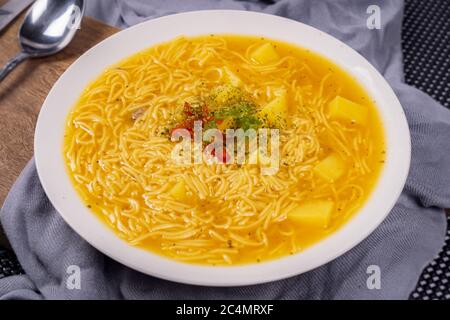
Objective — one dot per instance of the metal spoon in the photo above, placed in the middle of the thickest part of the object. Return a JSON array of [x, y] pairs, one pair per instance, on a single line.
[[49, 26]]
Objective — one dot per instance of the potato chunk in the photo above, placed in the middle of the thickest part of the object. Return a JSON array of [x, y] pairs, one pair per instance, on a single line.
[[276, 111], [265, 54], [346, 110], [331, 168], [178, 191], [313, 213]]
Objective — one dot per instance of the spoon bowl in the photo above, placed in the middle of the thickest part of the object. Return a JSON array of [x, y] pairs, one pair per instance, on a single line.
[[49, 26]]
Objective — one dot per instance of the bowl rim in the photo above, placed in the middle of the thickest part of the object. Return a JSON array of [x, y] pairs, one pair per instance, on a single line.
[[58, 187]]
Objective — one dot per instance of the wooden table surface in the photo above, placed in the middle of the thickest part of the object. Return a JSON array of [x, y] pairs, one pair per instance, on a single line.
[[24, 90]]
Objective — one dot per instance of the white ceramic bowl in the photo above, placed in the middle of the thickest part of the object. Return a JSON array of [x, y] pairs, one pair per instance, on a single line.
[[57, 185]]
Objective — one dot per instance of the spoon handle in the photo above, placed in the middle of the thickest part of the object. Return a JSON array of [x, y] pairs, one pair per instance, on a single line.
[[12, 64]]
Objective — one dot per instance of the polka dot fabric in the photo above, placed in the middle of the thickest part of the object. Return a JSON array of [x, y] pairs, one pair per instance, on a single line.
[[426, 46], [9, 265], [434, 284], [426, 49]]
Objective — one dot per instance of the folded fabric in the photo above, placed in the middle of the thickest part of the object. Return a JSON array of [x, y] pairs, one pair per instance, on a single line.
[[401, 246]]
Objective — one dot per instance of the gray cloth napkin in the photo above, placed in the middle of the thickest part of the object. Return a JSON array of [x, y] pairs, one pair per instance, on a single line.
[[401, 246]]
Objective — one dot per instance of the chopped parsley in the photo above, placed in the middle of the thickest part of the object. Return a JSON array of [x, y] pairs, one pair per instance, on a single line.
[[244, 115]]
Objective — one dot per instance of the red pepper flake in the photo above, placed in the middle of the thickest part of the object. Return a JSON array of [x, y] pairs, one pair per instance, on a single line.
[[200, 113], [187, 109]]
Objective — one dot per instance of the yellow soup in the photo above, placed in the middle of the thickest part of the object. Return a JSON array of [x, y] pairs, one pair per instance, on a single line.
[[119, 141]]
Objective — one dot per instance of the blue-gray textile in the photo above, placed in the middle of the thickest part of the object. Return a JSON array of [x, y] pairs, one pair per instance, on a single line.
[[401, 246]]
